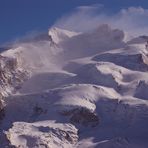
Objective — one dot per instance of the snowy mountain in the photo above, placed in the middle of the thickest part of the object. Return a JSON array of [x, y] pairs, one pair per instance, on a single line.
[[75, 89]]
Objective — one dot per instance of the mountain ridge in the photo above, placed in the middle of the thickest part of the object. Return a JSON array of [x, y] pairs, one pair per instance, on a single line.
[[85, 89]]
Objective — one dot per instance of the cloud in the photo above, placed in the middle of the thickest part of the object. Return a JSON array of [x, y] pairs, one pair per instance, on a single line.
[[132, 20]]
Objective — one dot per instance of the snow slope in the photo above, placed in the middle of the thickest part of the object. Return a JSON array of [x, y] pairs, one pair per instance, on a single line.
[[80, 90]]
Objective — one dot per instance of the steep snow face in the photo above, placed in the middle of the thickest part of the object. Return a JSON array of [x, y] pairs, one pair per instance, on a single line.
[[11, 79], [58, 35], [132, 57], [69, 89]]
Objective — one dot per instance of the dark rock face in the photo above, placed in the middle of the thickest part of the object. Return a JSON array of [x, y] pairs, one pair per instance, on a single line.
[[82, 116], [1, 107], [2, 113]]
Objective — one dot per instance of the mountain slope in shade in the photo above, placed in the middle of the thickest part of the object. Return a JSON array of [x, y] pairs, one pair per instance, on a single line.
[[75, 90]]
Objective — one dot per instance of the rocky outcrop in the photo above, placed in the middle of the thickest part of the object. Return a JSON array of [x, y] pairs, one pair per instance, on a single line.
[[47, 135], [11, 78], [2, 113], [82, 116]]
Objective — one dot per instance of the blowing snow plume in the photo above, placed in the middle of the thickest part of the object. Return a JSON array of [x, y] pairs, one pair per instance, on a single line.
[[132, 20], [86, 31]]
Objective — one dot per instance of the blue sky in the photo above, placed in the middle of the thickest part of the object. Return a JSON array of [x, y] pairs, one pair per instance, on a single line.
[[19, 17]]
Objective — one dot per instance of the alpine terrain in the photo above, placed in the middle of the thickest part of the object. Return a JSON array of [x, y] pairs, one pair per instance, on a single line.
[[68, 89]]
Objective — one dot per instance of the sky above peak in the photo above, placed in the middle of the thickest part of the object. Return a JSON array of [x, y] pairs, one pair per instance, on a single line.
[[17, 18]]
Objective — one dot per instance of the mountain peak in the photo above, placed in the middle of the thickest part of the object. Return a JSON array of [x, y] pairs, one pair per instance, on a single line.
[[58, 34], [71, 89]]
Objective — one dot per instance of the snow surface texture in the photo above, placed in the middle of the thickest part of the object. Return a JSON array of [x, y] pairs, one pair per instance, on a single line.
[[78, 90]]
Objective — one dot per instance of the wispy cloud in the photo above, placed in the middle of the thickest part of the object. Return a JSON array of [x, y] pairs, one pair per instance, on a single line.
[[133, 20]]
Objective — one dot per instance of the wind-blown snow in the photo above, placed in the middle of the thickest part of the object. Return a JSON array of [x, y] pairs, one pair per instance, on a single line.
[[80, 90], [59, 35]]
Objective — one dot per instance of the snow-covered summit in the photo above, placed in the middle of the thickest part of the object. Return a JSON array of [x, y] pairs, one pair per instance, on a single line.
[[59, 35], [75, 90]]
